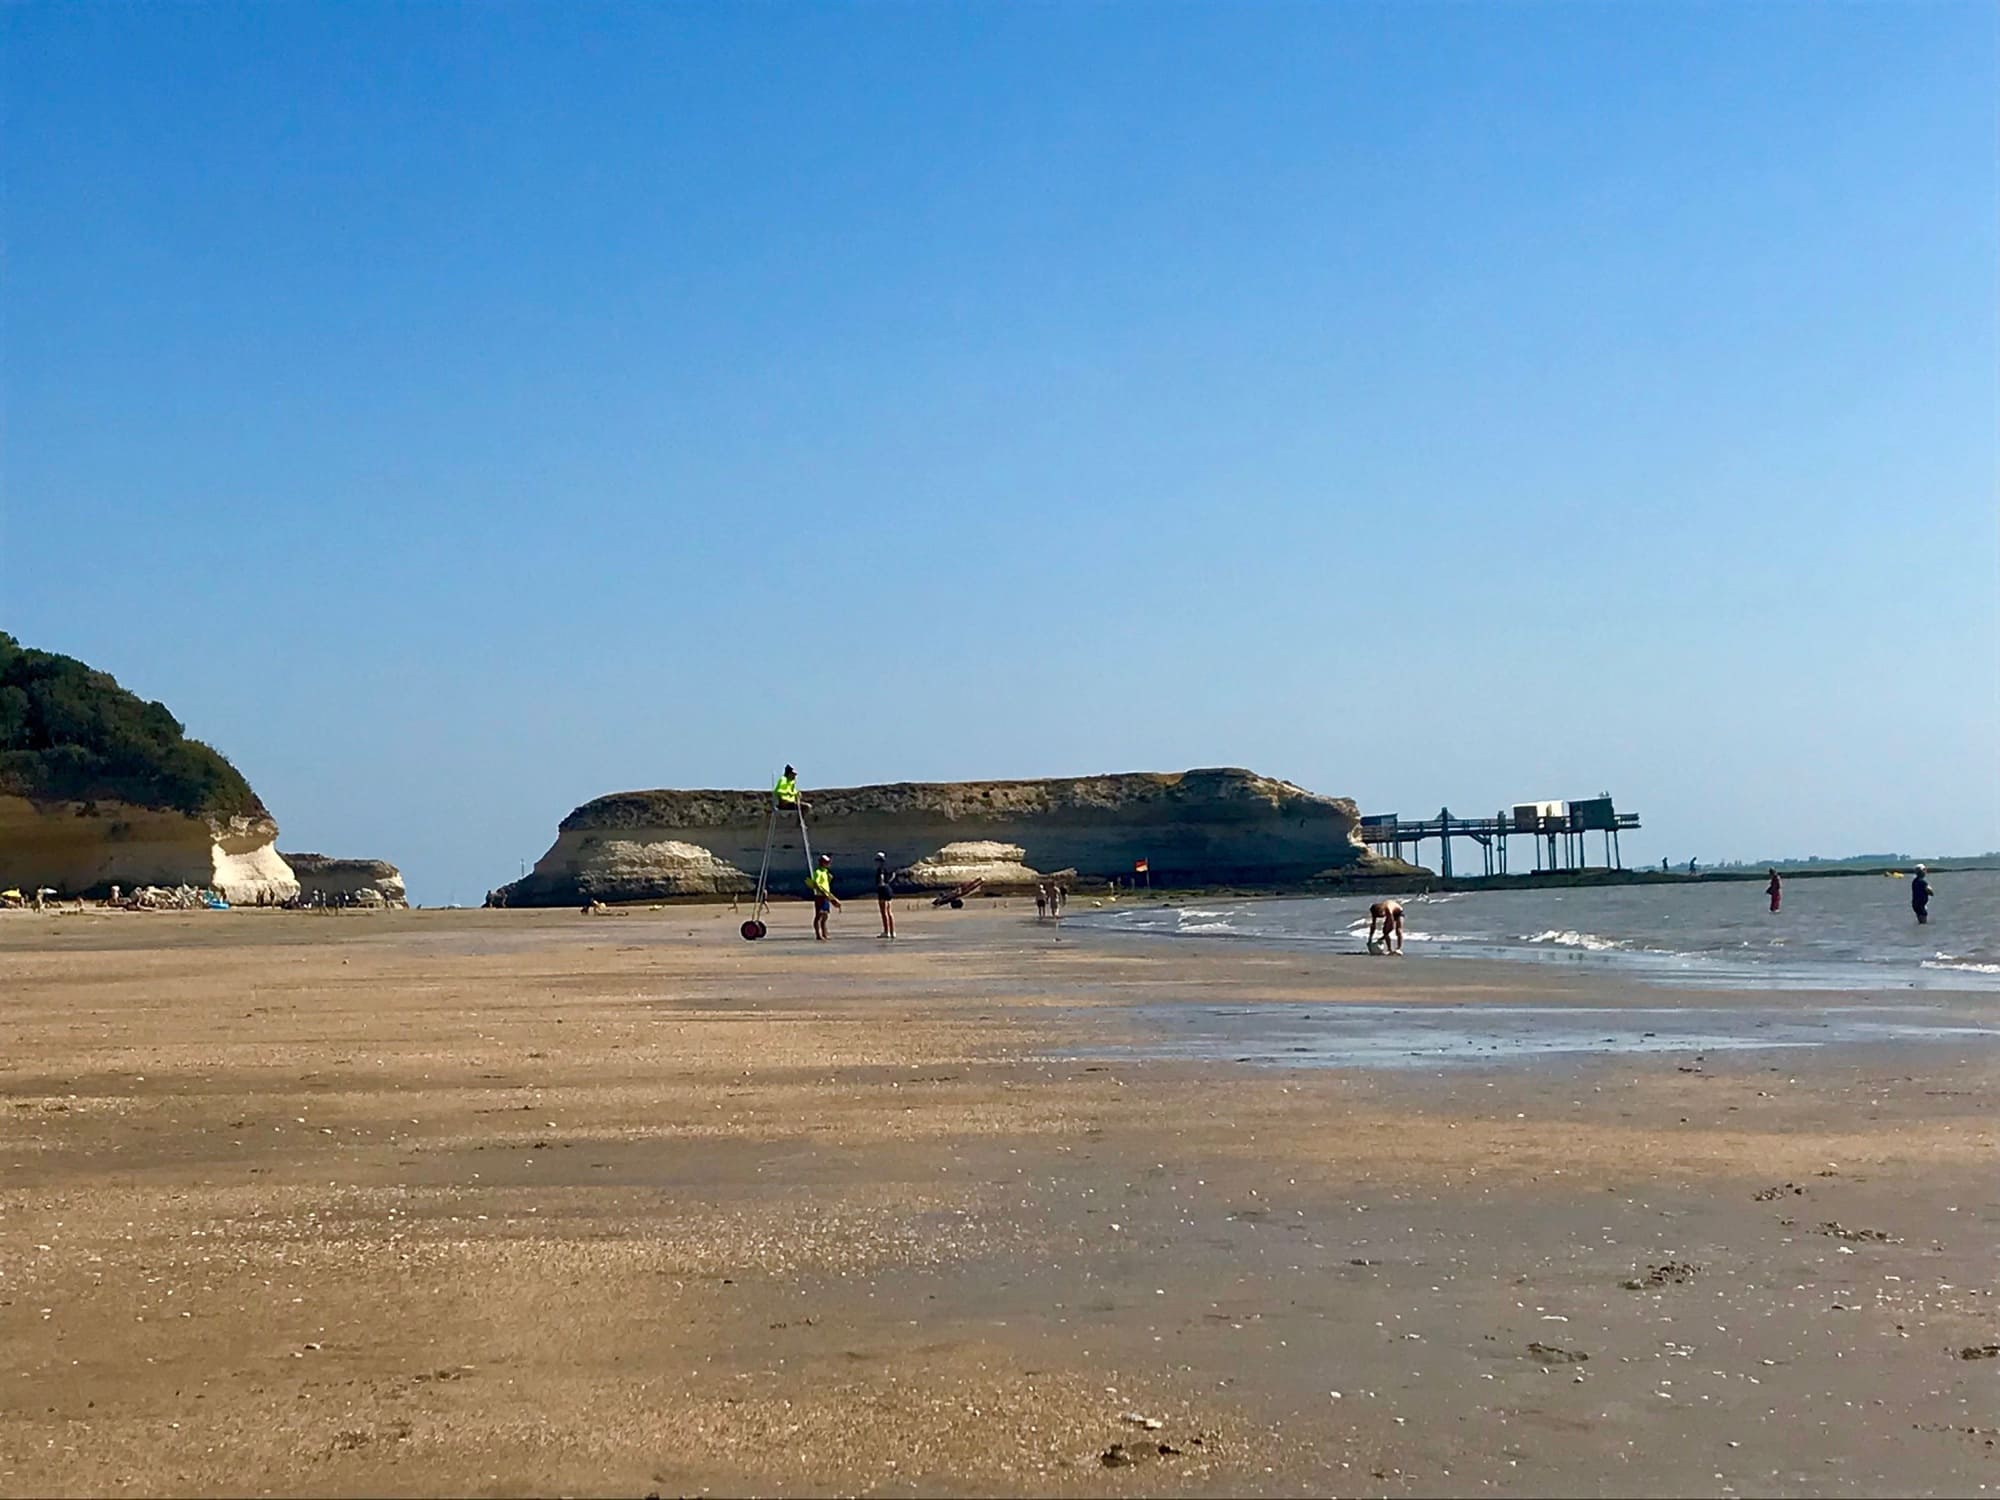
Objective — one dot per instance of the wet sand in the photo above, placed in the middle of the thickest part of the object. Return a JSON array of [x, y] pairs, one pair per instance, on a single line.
[[514, 1202]]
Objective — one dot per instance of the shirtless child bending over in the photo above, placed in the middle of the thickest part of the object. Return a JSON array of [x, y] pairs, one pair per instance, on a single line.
[[1388, 915]]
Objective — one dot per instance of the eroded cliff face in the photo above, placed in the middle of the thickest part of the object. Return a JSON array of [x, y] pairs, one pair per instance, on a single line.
[[87, 847], [363, 882], [1205, 827]]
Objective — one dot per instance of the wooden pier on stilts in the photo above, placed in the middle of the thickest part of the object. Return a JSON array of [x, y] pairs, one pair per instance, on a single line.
[[1557, 831]]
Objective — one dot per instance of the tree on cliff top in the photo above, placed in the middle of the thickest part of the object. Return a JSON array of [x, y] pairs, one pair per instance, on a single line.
[[69, 733]]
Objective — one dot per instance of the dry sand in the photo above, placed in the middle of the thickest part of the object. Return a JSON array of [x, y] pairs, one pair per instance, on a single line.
[[519, 1202]]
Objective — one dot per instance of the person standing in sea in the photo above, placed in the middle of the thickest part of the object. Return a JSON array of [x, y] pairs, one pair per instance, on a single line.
[[1920, 895], [1775, 890]]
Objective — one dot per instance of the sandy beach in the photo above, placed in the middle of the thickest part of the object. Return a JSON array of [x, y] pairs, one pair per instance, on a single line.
[[531, 1202]]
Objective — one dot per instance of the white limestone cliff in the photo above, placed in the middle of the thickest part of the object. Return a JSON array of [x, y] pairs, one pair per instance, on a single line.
[[87, 847], [1206, 827]]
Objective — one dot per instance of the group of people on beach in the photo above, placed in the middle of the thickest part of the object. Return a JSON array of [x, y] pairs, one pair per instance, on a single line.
[[1050, 897], [819, 879], [819, 883]]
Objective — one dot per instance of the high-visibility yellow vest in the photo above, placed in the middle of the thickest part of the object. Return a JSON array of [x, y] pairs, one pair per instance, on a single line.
[[820, 882], [787, 789]]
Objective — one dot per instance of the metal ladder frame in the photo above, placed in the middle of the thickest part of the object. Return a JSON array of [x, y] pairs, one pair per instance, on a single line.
[[763, 901]]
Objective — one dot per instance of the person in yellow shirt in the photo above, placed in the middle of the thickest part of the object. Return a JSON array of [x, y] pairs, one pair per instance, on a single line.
[[820, 882], [787, 789]]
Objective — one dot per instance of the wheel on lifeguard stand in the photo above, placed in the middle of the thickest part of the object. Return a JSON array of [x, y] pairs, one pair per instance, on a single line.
[[752, 930]]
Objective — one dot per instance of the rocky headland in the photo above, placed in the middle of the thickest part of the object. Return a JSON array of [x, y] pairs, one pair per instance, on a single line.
[[85, 848], [1205, 827], [99, 788], [354, 882]]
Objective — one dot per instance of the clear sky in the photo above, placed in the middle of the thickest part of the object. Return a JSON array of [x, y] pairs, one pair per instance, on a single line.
[[457, 412]]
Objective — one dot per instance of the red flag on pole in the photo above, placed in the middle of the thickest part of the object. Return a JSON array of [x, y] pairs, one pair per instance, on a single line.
[[1139, 867]]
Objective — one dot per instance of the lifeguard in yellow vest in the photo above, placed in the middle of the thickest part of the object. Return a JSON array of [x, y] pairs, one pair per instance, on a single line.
[[787, 790], [820, 883]]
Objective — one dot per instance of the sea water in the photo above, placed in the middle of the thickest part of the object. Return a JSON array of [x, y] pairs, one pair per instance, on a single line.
[[1405, 1036], [1840, 933]]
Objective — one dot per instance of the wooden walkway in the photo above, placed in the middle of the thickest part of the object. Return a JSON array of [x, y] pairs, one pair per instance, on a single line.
[[1559, 842]]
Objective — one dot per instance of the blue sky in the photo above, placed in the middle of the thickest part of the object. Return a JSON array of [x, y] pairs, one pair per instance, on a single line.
[[456, 412]]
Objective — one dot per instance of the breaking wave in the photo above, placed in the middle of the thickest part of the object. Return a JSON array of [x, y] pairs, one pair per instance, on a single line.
[[1193, 920], [1840, 936], [1964, 967], [1588, 941]]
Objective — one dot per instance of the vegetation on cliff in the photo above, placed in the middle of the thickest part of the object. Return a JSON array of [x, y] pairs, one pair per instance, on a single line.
[[1220, 793], [1205, 827], [71, 733]]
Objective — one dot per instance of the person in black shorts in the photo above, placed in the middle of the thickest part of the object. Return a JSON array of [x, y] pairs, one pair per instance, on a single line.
[[885, 890], [820, 883], [1920, 894]]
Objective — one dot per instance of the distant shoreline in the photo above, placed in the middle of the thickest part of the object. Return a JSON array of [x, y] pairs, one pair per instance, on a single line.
[[1559, 879]]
